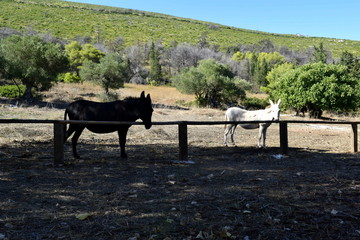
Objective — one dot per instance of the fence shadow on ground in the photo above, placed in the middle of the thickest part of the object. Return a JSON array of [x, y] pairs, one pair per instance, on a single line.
[[237, 191]]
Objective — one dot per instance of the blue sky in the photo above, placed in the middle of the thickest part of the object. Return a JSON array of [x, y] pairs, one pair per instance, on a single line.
[[317, 18]]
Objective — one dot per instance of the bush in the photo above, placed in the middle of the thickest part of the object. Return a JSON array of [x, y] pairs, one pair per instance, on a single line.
[[111, 96], [12, 91], [317, 87], [212, 83], [71, 78], [110, 73], [255, 103], [183, 103]]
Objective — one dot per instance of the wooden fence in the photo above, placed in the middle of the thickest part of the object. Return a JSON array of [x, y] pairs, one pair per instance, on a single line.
[[59, 130]]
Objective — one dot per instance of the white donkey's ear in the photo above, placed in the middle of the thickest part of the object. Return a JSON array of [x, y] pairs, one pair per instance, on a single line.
[[279, 101], [271, 102]]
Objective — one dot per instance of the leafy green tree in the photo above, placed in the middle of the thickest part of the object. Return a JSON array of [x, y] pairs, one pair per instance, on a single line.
[[346, 58], [273, 58], [266, 62], [259, 64], [211, 82], [155, 76], [351, 62], [110, 72], [73, 50], [252, 62], [261, 70], [71, 78], [276, 73], [78, 54], [238, 56], [320, 54], [355, 69], [89, 52], [317, 87], [31, 60]]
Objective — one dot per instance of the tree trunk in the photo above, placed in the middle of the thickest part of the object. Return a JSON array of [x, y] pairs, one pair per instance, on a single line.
[[314, 112], [28, 96], [106, 91]]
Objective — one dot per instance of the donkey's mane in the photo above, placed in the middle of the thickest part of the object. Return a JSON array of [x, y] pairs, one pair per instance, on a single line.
[[130, 100]]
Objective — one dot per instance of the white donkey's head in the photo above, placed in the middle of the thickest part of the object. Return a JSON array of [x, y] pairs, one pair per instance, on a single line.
[[274, 111]]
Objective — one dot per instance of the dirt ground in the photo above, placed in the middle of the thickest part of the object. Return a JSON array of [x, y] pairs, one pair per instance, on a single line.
[[235, 192]]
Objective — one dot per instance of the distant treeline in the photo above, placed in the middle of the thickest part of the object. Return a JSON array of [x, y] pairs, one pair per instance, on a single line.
[[215, 77]]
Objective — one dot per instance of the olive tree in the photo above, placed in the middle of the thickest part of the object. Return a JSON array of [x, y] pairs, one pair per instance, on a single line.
[[212, 83], [33, 61], [110, 72]]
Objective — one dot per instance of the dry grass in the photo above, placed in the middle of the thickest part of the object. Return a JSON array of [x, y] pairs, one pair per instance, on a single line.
[[70, 92], [329, 138]]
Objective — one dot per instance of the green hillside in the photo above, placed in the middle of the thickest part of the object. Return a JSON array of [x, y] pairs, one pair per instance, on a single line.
[[68, 20]]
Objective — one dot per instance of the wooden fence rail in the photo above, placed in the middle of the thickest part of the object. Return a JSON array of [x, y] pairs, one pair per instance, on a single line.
[[60, 125]]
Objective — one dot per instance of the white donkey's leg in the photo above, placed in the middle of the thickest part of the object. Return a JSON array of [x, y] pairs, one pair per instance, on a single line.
[[262, 134], [229, 129], [232, 131], [226, 132]]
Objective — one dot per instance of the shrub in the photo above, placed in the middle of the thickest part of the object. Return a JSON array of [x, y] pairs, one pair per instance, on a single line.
[[12, 91], [111, 96], [255, 103], [110, 73], [212, 83], [71, 78]]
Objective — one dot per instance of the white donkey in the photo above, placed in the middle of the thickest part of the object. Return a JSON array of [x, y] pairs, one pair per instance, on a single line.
[[238, 114]]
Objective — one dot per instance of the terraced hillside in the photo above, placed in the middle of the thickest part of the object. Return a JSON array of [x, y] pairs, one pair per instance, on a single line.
[[68, 20]]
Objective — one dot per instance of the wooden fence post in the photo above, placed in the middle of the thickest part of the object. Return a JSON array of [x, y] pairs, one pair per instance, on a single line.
[[183, 141], [284, 145], [355, 136], [59, 130]]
